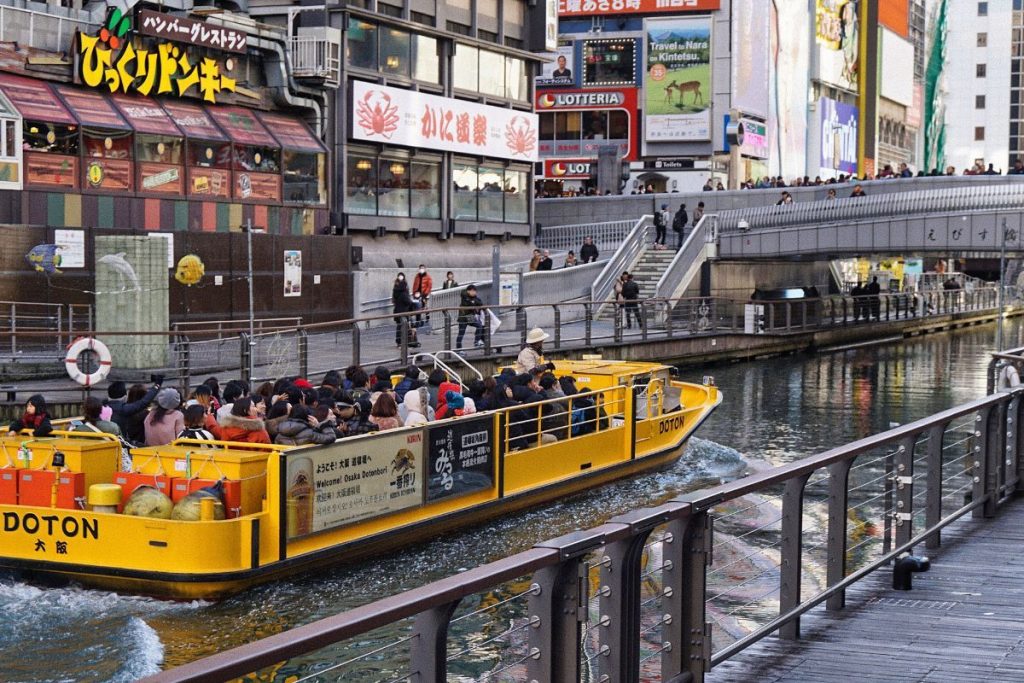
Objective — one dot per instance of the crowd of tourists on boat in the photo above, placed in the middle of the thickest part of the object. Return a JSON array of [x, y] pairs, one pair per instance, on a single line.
[[294, 412]]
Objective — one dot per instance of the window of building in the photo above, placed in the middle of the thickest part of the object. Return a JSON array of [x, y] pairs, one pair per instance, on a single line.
[[456, 27], [107, 144], [8, 139], [516, 197], [979, 101], [517, 80], [983, 39], [361, 187], [304, 177], [500, 194], [609, 62], [979, 133], [54, 138], [492, 65], [421, 18], [464, 191], [208, 154], [982, 9], [425, 190], [425, 61], [362, 44], [393, 186], [159, 149], [980, 70], [257, 159], [395, 51], [466, 67], [489, 36], [567, 125]]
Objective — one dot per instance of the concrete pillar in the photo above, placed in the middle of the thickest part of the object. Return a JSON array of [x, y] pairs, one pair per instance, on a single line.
[[131, 296]]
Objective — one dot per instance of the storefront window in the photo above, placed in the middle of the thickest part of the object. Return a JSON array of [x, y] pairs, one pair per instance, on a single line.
[[159, 148], [361, 190], [467, 67], [305, 177], [516, 198], [425, 62], [609, 62], [595, 125], [107, 144], [492, 65], [362, 44], [517, 83], [257, 159], [464, 191], [547, 126], [426, 190], [209, 154], [567, 125], [618, 125], [394, 51], [50, 137], [393, 187], [491, 183]]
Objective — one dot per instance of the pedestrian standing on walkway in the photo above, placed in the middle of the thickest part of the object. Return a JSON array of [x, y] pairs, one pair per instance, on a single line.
[[874, 300], [679, 225], [469, 316], [422, 286], [698, 214], [546, 263], [535, 261], [403, 304], [858, 191], [588, 252], [661, 220], [631, 296], [570, 260], [449, 281]]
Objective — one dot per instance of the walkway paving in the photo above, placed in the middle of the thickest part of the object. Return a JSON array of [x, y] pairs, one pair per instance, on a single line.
[[964, 621]]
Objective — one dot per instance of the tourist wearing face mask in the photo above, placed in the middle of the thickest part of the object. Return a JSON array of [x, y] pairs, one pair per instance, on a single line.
[[422, 285]]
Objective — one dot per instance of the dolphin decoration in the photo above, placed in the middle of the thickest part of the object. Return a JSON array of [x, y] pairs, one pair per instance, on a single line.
[[126, 274]]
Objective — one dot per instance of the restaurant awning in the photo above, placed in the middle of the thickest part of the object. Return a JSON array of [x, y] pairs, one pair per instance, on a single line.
[[92, 109], [194, 121], [291, 133], [35, 100], [242, 126], [146, 115]]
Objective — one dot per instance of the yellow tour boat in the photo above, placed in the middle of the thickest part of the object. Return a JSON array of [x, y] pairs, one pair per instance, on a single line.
[[293, 509]]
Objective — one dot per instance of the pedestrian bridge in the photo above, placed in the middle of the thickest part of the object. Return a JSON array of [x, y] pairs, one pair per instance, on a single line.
[[783, 575]]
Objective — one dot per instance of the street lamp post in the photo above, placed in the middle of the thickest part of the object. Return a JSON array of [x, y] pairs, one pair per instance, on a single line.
[[999, 292]]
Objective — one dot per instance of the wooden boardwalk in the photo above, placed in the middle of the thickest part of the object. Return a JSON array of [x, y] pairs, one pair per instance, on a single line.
[[964, 620]]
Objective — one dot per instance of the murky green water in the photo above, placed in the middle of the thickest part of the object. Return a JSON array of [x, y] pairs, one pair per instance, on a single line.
[[775, 410]]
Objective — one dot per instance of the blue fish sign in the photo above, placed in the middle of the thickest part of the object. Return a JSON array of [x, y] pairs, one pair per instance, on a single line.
[[45, 258]]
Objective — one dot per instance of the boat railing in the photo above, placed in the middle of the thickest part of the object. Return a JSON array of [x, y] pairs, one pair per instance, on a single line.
[[606, 407], [678, 588]]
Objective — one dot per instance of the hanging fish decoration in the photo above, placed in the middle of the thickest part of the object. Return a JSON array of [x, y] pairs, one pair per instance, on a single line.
[[190, 270], [45, 258]]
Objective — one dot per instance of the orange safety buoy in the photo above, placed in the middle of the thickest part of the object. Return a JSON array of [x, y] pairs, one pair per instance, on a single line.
[[75, 350]]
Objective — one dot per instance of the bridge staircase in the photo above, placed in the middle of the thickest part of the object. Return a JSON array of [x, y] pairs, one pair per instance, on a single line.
[[647, 270]]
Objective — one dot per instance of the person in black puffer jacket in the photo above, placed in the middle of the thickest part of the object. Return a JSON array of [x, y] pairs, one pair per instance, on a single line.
[[301, 429]]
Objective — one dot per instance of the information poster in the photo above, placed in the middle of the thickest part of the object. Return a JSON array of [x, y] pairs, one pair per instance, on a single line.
[[460, 457], [72, 247], [353, 480], [677, 90], [292, 273]]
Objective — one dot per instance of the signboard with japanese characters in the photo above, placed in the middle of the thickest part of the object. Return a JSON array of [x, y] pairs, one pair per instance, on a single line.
[[114, 60], [353, 480], [415, 119], [460, 457], [190, 31], [584, 8], [677, 89]]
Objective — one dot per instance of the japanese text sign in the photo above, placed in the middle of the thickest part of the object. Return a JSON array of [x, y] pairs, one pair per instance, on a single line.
[[460, 457], [190, 31], [583, 8], [404, 117]]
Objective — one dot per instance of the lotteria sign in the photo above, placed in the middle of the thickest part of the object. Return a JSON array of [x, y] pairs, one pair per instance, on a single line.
[[112, 60], [618, 98], [567, 169]]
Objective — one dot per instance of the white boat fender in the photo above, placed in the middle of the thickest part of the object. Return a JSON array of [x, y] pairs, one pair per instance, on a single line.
[[75, 351], [1008, 378]]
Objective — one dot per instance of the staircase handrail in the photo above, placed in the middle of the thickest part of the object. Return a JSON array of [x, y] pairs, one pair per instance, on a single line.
[[622, 259], [570, 237], [693, 248]]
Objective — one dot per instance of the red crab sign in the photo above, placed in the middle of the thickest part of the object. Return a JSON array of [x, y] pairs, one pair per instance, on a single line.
[[403, 117]]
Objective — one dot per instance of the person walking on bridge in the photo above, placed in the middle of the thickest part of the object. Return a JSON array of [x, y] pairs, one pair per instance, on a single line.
[[588, 252], [873, 291], [631, 294], [661, 219], [679, 225]]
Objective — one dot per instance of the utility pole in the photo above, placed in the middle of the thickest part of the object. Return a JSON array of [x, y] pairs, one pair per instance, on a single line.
[[999, 292], [252, 319]]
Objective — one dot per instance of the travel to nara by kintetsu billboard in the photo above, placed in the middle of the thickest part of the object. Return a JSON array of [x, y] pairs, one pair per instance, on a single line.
[[677, 82]]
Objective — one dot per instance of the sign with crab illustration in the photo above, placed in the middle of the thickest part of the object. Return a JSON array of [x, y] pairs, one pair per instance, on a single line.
[[403, 117]]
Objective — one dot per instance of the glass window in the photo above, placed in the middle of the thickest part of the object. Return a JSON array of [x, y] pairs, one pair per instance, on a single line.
[[547, 126], [257, 159], [982, 39], [107, 144], [980, 70], [516, 199], [426, 190], [979, 133], [209, 154], [567, 125], [609, 61], [982, 9], [491, 183], [516, 82], [9, 151], [305, 177], [425, 62], [595, 125], [492, 65], [467, 67], [393, 185], [979, 101], [361, 190], [464, 184], [50, 137], [394, 51], [362, 44], [618, 125], [159, 148]]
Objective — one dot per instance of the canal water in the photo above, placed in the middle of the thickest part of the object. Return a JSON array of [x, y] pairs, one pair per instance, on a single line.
[[775, 410]]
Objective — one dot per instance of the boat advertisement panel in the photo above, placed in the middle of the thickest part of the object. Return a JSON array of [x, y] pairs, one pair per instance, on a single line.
[[677, 89], [353, 480], [460, 457]]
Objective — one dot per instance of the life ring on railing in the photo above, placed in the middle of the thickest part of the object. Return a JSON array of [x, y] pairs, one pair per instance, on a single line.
[[75, 350], [1008, 378]]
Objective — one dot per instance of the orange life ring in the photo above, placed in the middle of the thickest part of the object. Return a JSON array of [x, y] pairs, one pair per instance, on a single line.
[[75, 350]]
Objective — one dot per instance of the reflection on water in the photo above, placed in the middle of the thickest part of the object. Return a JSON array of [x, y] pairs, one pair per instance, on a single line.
[[774, 411]]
